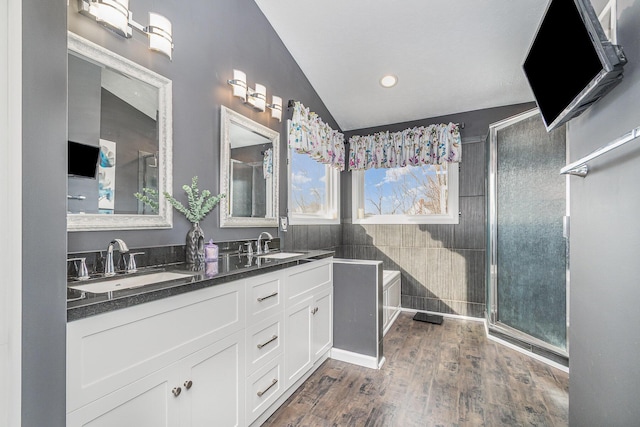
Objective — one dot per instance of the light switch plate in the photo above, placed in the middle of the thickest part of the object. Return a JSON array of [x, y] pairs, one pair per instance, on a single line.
[[284, 222]]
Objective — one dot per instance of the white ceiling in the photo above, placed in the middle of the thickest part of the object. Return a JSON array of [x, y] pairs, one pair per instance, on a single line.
[[450, 56]]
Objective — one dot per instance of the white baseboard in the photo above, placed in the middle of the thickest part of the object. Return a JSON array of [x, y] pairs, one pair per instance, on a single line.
[[356, 358]]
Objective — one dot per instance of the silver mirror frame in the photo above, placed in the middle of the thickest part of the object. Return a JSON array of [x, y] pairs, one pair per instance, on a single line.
[[227, 118], [164, 218]]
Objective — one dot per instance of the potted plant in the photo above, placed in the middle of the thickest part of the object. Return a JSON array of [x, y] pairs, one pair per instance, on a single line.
[[199, 204]]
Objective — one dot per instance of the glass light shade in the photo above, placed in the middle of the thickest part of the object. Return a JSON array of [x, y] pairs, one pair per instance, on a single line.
[[239, 84], [112, 13], [160, 34], [258, 97], [276, 107]]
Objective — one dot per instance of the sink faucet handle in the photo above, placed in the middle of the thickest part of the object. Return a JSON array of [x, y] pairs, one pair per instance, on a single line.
[[249, 246], [266, 248], [131, 265], [83, 273]]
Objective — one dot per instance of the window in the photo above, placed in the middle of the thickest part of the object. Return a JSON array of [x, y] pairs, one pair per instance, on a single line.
[[313, 191], [426, 194]]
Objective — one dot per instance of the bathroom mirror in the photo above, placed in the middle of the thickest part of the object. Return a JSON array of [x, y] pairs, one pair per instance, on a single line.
[[125, 110], [248, 172]]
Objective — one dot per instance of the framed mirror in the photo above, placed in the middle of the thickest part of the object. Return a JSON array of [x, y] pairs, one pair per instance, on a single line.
[[249, 171], [120, 140]]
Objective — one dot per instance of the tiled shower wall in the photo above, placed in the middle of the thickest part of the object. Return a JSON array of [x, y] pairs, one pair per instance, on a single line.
[[442, 266], [301, 237]]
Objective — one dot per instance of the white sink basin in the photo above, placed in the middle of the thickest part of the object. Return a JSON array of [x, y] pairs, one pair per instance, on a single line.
[[128, 282], [281, 255]]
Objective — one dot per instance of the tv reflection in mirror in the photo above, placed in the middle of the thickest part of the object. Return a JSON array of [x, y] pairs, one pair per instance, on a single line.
[[82, 160], [118, 114]]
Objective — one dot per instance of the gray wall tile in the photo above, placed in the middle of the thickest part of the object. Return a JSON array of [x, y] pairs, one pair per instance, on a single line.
[[470, 232], [438, 272], [438, 235], [468, 275], [472, 170], [412, 236], [390, 235], [413, 273]]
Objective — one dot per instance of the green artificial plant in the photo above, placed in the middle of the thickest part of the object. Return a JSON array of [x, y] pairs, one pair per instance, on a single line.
[[199, 204]]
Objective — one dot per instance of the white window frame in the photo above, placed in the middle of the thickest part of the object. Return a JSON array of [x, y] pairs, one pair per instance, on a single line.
[[332, 191], [453, 205]]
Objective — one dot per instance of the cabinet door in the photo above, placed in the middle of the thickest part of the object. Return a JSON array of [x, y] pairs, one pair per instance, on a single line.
[[213, 384], [149, 402], [322, 322], [298, 335]]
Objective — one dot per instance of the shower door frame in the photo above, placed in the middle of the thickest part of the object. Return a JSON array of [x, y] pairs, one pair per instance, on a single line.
[[493, 322]]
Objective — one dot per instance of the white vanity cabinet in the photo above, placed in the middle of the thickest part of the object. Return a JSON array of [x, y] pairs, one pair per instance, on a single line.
[[177, 361], [202, 389], [309, 317], [225, 355], [265, 342]]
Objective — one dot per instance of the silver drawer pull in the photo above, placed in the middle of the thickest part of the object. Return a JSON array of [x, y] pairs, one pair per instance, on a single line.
[[273, 382], [272, 339], [268, 296]]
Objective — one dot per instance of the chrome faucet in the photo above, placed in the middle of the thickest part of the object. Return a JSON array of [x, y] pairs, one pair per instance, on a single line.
[[260, 250], [109, 269]]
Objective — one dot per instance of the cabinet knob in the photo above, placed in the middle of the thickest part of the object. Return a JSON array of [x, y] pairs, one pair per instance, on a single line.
[[314, 310], [176, 391], [188, 384]]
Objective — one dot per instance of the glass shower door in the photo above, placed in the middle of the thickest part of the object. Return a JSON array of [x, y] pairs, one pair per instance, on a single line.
[[527, 247]]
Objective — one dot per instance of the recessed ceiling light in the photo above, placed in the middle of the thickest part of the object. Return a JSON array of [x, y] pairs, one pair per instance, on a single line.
[[389, 80]]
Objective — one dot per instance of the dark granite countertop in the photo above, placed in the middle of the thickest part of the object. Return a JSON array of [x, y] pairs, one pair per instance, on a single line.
[[227, 269]]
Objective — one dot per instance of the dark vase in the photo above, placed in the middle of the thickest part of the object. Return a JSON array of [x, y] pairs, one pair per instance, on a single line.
[[195, 245]]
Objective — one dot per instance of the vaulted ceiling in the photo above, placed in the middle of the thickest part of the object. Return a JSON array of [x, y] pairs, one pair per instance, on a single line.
[[450, 56]]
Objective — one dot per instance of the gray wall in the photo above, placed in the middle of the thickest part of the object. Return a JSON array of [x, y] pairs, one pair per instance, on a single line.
[[44, 181], [604, 341], [442, 266], [211, 39]]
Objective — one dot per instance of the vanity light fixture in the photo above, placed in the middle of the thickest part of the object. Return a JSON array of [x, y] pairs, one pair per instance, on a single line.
[[257, 97], [239, 84], [276, 107], [116, 16]]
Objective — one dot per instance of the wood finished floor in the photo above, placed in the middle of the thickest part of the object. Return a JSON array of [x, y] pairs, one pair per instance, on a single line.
[[434, 375]]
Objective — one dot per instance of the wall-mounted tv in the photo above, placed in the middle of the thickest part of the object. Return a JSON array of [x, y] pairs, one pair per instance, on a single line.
[[571, 63], [82, 160]]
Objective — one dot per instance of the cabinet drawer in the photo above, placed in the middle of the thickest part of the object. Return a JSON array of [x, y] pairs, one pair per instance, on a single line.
[[303, 278], [264, 387], [264, 296], [108, 351], [264, 341]]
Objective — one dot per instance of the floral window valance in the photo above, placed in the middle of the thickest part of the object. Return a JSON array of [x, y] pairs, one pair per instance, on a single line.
[[433, 144], [310, 135]]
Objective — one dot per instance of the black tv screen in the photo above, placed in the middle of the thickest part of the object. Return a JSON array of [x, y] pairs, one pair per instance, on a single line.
[[83, 159], [571, 63]]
